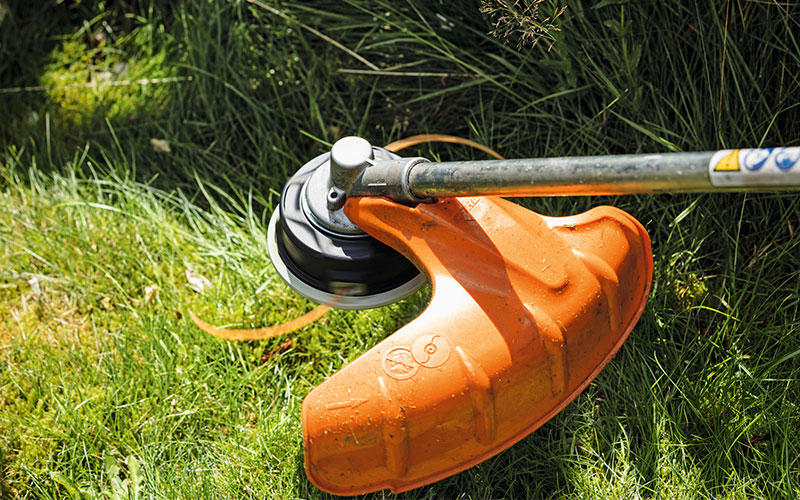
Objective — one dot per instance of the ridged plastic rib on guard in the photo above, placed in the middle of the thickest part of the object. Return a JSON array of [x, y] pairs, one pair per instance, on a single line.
[[526, 311]]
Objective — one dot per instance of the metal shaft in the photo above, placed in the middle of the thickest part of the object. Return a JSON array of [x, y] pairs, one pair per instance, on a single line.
[[765, 169], [592, 175]]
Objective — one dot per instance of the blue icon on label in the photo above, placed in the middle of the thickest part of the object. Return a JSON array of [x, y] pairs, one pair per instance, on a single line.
[[756, 158], [786, 158]]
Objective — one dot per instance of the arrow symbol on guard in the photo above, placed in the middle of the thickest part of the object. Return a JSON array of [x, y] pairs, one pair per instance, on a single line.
[[350, 403]]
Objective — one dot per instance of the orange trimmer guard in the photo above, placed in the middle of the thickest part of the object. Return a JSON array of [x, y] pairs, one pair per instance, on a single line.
[[526, 311]]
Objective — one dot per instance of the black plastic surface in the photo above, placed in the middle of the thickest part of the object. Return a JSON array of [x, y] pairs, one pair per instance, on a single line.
[[360, 266]]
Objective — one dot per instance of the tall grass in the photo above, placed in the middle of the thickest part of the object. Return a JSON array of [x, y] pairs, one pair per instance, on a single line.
[[108, 190]]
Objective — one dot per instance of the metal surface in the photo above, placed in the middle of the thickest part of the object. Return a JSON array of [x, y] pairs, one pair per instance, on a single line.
[[388, 178], [766, 169], [330, 177], [321, 210], [349, 156], [591, 175]]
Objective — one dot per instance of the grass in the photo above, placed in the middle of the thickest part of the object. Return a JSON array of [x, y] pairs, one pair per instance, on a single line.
[[107, 390]]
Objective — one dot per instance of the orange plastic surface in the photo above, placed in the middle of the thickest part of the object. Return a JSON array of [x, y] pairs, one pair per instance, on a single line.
[[526, 311]]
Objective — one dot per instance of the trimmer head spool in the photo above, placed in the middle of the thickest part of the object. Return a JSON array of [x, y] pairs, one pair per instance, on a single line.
[[320, 253]]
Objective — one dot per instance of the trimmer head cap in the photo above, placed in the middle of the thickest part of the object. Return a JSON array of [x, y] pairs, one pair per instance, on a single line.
[[325, 257]]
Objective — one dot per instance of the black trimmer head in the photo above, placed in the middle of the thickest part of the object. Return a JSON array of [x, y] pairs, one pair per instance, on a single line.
[[320, 253]]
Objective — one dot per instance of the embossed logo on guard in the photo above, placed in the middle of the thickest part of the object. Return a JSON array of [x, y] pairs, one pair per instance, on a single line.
[[399, 363], [431, 351]]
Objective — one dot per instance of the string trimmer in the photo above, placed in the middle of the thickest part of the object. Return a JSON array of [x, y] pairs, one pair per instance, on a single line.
[[526, 309]]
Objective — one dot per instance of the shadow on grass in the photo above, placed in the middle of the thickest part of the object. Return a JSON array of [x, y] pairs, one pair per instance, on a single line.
[[136, 89], [29, 32], [43, 44]]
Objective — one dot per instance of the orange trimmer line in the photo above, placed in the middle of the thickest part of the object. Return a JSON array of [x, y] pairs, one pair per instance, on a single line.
[[452, 139], [268, 332]]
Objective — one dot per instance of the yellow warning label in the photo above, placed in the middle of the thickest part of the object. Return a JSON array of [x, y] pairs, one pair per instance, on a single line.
[[728, 163]]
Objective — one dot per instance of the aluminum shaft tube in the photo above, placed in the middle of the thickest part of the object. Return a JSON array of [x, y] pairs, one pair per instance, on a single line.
[[765, 169], [589, 175]]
